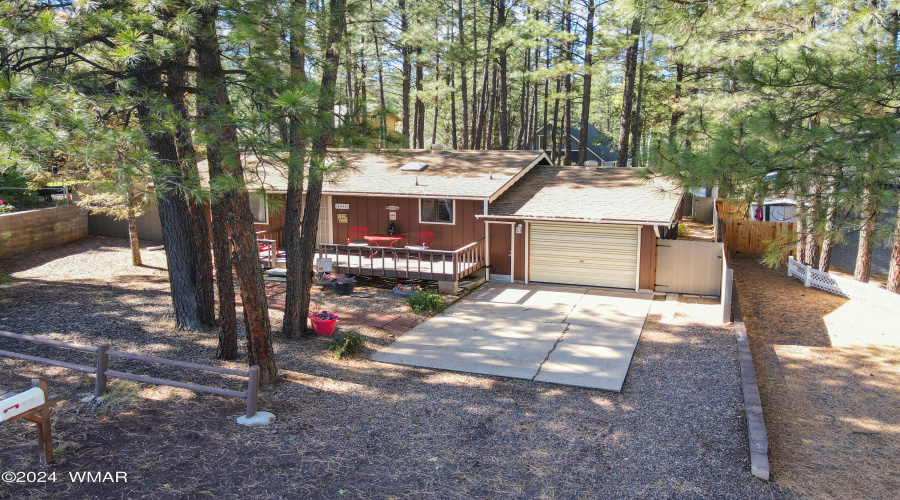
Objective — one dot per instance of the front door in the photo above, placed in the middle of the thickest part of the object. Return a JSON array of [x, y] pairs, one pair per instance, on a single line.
[[500, 236]]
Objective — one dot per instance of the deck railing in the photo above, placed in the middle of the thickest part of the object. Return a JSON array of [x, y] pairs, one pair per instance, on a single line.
[[437, 265]]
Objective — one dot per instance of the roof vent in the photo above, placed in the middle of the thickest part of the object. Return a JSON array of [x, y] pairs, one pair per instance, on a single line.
[[590, 165], [415, 166], [436, 148]]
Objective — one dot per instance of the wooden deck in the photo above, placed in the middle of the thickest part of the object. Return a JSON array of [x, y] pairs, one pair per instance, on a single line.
[[437, 265]]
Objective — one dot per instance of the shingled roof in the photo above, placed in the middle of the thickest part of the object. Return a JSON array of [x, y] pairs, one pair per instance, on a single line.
[[450, 174], [572, 193]]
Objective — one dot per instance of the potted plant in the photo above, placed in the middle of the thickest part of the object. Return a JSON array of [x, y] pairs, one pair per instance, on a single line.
[[324, 279], [344, 285], [406, 290], [323, 322]]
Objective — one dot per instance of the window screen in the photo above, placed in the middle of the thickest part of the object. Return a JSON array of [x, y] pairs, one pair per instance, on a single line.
[[437, 210], [258, 207]]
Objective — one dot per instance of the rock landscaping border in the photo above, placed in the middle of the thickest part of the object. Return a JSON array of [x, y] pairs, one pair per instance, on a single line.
[[756, 424]]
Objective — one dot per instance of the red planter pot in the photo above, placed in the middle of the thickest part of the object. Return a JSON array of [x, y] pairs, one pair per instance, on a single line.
[[323, 328]]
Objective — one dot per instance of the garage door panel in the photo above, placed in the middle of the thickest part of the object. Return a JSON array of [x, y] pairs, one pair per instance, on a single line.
[[583, 254]]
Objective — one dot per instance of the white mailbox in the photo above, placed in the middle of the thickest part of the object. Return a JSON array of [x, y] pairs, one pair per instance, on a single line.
[[20, 403]]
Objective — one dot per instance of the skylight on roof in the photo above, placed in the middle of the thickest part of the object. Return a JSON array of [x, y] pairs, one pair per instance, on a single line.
[[416, 166]]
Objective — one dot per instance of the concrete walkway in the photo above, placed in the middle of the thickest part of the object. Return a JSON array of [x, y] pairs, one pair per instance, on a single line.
[[563, 335]]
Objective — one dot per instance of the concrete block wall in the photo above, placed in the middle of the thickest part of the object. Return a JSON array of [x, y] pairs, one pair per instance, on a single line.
[[34, 230]]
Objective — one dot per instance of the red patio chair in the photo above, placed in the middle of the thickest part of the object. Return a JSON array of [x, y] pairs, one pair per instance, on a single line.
[[423, 241], [357, 237]]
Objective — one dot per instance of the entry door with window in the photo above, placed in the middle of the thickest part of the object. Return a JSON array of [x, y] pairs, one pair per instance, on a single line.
[[500, 251]]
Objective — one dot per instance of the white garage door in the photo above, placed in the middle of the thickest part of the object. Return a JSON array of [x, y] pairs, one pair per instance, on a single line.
[[584, 254]]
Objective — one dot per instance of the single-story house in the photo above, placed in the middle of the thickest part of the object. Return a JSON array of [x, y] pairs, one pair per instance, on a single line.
[[600, 147], [512, 211]]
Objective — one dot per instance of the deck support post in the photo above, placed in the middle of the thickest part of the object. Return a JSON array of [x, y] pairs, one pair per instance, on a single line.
[[448, 287]]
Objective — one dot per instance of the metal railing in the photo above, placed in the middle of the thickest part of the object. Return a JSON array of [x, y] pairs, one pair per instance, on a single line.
[[103, 352], [438, 265]]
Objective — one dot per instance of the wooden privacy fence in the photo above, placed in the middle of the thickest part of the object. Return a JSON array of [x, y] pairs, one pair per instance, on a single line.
[[750, 237], [684, 266], [103, 353]]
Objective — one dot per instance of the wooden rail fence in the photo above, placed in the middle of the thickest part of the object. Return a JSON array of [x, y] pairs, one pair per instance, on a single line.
[[102, 372]]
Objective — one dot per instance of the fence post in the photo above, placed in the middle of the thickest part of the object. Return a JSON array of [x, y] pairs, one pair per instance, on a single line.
[[252, 390], [806, 280], [726, 295], [102, 362]]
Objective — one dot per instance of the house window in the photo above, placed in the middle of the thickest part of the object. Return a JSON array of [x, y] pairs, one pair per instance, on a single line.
[[542, 140], [258, 208], [436, 211]]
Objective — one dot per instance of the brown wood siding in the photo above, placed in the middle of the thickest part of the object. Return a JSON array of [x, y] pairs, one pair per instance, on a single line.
[[371, 212], [647, 269]]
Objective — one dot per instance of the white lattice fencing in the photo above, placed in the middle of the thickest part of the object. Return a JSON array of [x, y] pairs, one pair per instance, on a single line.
[[845, 287]]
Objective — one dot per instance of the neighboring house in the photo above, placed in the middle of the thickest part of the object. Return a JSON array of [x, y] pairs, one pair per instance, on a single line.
[[776, 210], [600, 147], [525, 219], [392, 122]]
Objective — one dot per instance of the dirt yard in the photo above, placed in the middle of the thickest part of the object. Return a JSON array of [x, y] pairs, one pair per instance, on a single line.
[[353, 428], [829, 376]]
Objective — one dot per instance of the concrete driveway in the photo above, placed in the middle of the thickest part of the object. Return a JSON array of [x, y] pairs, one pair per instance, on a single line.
[[563, 335]]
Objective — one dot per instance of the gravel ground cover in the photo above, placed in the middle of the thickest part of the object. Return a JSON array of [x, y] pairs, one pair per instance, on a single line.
[[353, 428], [829, 372]]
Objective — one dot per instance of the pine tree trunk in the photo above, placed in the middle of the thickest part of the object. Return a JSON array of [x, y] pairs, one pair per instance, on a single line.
[[812, 243], [801, 231], [636, 123], [868, 225], [554, 146], [566, 132], [464, 84], [132, 229], [503, 112], [222, 149], [382, 113], [453, 132], [483, 101], [293, 323], [489, 135], [676, 105], [199, 236], [523, 102], [828, 235], [420, 104], [628, 95], [174, 212], [335, 31], [407, 76], [473, 143], [228, 344], [586, 91], [893, 282]]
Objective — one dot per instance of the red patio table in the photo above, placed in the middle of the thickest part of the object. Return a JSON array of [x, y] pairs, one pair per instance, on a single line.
[[379, 240], [384, 241]]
